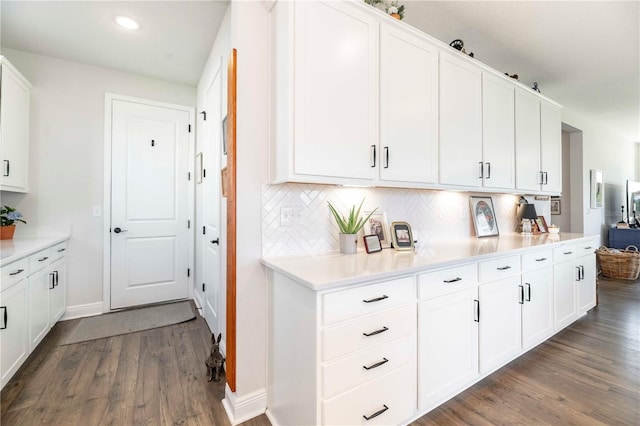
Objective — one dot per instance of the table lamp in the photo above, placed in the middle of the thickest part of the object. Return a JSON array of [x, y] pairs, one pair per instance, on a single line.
[[528, 213]]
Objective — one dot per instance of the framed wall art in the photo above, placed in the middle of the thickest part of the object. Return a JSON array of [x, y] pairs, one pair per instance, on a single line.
[[483, 216], [597, 189], [377, 224], [555, 206]]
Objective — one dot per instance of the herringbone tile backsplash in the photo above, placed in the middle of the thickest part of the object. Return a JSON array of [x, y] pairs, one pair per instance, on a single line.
[[433, 215]]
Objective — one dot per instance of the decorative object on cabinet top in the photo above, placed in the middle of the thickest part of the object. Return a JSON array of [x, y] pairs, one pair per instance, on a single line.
[[392, 8], [535, 87], [458, 44]]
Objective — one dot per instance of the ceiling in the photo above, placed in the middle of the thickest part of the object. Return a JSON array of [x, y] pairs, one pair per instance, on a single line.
[[583, 54]]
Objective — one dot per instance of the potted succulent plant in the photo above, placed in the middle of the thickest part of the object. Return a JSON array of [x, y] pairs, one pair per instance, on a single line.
[[394, 9], [9, 215], [349, 227]]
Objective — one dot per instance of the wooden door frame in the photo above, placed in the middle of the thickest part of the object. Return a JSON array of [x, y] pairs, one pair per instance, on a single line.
[[106, 204]]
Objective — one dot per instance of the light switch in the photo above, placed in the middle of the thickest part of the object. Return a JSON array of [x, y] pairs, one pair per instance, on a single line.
[[97, 211]]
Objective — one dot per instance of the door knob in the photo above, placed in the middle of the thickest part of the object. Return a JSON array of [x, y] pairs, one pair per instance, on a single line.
[[118, 230], [216, 241]]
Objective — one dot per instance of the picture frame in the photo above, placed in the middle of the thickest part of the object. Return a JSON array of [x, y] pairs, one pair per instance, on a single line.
[[372, 243], [224, 135], [555, 207], [377, 224], [401, 236], [541, 224], [483, 216], [597, 189]]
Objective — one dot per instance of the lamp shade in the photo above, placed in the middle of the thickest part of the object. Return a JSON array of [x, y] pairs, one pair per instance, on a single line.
[[529, 211]]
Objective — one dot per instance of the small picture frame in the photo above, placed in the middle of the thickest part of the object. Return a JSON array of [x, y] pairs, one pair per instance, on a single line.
[[555, 206], [484, 216], [372, 243], [597, 189], [377, 224], [541, 224], [401, 236], [224, 135]]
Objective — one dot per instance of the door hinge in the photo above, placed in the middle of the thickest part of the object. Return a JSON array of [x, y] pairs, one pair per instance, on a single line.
[[204, 173], [189, 176], [189, 128], [188, 272], [203, 287], [204, 230], [188, 224], [204, 114]]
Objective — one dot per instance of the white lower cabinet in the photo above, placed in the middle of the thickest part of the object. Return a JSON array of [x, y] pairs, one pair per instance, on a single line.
[[39, 285], [14, 333], [565, 274], [586, 279], [537, 309], [57, 290]]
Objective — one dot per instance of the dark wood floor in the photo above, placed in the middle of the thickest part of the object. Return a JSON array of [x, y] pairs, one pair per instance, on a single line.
[[588, 374]]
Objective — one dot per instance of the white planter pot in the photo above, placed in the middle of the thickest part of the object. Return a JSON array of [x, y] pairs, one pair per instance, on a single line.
[[348, 243]]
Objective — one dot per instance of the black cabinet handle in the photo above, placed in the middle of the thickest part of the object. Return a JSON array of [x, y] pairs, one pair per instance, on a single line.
[[377, 364], [61, 250], [376, 414], [568, 252], [528, 299], [19, 271], [216, 241], [542, 259], [43, 259], [476, 313], [481, 170], [504, 268], [521, 298], [453, 280], [488, 170], [5, 317], [546, 178], [373, 155], [57, 279], [541, 177], [588, 248], [373, 333], [52, 279], [386, 157], [377, 299], [7, 164]]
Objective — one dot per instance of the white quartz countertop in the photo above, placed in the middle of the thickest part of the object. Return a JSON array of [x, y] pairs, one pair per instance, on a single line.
[[16, 249], [335, 270]]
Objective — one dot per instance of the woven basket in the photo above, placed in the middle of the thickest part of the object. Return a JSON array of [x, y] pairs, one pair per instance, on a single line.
[[621, 265]]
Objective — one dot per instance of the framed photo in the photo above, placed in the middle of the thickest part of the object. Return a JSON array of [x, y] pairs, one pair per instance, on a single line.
[[377, 224], [555, 206], [224, 135], [372, 243], [484, 216], [597, 189], [541, 224], [401, 236]]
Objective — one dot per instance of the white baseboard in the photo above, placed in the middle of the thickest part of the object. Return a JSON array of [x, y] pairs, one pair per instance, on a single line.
[[81, 311], [245, 407]]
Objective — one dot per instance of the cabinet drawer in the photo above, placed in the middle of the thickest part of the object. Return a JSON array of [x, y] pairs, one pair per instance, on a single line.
[[58, 251], [39, 260], [393, 396], [367, 365], [368, 331], [448, 280], [495, 269], [564, 252], [537, 259], [355, 302], [587, 247], [13, 273]]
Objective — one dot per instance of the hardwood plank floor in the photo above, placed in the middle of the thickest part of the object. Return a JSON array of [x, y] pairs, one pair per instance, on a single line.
[[588, 374]]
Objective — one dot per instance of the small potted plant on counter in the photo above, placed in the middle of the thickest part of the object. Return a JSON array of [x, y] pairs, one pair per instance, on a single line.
[[9, 215], [349, 227]]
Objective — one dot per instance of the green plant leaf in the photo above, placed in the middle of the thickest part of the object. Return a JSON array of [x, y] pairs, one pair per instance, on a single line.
[[354, 222]]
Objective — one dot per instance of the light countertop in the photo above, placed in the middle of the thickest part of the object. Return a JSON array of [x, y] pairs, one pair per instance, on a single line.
[[334, 270], [16, 249]]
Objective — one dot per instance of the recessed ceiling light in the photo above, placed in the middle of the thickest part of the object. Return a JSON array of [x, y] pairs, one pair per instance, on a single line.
[[127, 23]]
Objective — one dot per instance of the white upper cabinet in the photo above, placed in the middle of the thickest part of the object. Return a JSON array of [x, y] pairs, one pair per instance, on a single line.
[[14, 128], [528, 173], [498, 145], [460, 122], [551, 146], [328, 132], [408, 107]]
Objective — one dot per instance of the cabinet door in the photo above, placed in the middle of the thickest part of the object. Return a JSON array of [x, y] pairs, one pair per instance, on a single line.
[[528, 172], [335, 91], [551, 146], [498, 144], [408, 107], [39, 289], [460, 122], [57, 297], [447, 346], [587, 283], [537, 310], [14, 124], [14, 342], [500, 322], [564, 294]]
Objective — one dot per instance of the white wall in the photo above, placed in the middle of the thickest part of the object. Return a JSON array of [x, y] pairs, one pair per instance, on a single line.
[[66, 154], [563, 220]]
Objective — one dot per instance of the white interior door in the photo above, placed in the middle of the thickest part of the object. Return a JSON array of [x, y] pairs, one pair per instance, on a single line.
[[149, 204], [211, 240]]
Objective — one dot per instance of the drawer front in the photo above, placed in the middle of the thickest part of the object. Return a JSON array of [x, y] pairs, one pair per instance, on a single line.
[[369, 331], [39, 260], [58, 251], [354, 302], [447, 280], [340, 376], [564, 252], [537, 259], [13, 273], [588, 247], [389, 400], [496, 269]]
